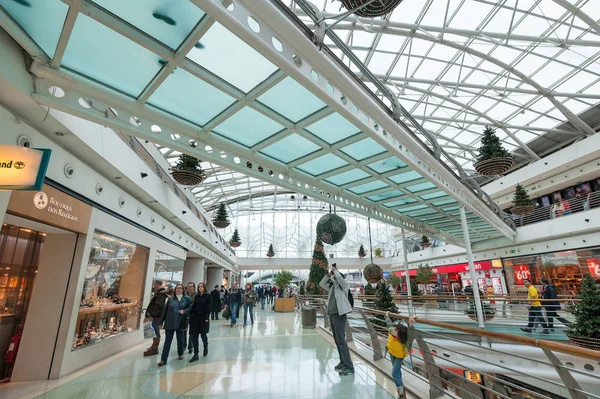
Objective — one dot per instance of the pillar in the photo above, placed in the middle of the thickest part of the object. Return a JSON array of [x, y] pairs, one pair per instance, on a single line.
[[408, 288], [193, 271], [214, 276], [467, 239]]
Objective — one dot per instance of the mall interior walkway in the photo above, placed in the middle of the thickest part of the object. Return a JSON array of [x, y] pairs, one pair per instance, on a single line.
[[274, 358]]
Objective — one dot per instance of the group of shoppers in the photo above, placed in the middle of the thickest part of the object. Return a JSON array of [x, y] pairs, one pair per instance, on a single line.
[[551, 304]]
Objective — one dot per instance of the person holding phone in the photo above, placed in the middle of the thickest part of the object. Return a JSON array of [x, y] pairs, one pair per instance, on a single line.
[[338, 306]]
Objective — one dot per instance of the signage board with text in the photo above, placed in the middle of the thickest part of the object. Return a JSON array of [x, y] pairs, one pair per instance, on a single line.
[[22, 168]]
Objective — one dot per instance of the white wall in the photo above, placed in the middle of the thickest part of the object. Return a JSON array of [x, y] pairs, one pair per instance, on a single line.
[[304, 263]]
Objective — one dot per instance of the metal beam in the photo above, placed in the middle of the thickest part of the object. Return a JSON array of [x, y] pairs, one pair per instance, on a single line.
[[65, 34]]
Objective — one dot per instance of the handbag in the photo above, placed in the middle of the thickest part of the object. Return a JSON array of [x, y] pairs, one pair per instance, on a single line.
[[148, 330], [185, 323], [226, 313]]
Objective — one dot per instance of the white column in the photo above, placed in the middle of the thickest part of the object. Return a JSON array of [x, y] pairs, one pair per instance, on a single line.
[[193, 271], [408, 288], [214, 276], [467, 240]]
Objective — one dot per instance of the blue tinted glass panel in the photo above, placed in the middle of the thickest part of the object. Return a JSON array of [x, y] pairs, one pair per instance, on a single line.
[[386, 165], [322, 164], [168, 21], [382, 196], [433, 195], [412, 208], [248, 127], [290, 148], [104, 55], [291, 100], [404, 177], [363, 149], [400, 202], [444, 202], [347, 177], [227, 56], [431, 218], [451, 208], [333, 128], [43, 20], [420, 187], [363, 188], [184, 95], [423, 213]]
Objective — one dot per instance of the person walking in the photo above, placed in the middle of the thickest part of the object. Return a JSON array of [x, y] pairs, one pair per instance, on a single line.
[[187, 336], [535, 310], [269, 293], [261, 297], [154, 311], [234, 300], [250, 299], [215, 300], [199, 324], [552, 305], [174, 313], [399, 341], [338, 306]]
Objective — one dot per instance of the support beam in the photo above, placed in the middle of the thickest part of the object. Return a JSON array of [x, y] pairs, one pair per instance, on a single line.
[[411, 310], [470, 259]]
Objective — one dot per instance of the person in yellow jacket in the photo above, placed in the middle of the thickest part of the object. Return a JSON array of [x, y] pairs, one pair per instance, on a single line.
[[399, 341]]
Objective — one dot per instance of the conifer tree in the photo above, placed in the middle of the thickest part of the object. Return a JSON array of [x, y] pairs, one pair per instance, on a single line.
[[235, 237], [318, 268], [361, 251], [587, 312], [491, 147], [521, 197], [221, 215], [370, 290], [271, 251], [384, 302]]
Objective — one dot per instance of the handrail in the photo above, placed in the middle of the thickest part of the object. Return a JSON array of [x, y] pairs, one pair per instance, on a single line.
[[539, 343], [458, 297]]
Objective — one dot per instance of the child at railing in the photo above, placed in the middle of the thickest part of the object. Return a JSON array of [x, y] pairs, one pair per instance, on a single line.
[[399, 341]]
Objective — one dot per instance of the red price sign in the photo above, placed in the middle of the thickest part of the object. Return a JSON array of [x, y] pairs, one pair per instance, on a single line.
[[522, 273]]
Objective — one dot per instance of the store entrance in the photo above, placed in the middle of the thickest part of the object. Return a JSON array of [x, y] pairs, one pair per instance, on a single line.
[[19, 260]]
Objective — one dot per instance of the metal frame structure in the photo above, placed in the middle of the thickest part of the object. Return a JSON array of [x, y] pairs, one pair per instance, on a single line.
[[436, 100], [301, 61]]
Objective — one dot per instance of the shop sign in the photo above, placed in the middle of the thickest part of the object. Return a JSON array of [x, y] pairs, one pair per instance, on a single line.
[[22, 168], [522, 273], [565, 258], [52, 207], [594, 266], [456, 268]]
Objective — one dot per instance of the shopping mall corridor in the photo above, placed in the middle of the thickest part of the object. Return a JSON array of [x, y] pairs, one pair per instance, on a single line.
[[274, 358]]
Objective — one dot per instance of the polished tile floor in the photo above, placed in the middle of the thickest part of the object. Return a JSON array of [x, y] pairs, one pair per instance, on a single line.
[[274, 358]]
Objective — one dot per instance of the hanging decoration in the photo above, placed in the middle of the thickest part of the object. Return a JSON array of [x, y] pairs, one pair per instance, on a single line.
[[493, 159], [361, 251], [425, 243], [331, 229], [372, 272], [187, 171], [235, 239], [371, 8], [523, 205], [271, 251], [221, 218]]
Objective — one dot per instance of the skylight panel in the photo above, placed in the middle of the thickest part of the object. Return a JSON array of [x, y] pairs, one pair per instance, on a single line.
[[381, 62], [470, 15]]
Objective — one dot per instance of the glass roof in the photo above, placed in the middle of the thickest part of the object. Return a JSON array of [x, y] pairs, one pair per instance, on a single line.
[[453, 65], [176, 61]]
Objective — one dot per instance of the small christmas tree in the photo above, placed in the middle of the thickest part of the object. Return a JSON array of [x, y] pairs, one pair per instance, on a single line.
[[424, 240], [587, 314], [221, 218], [188, 162], [521, 197], [370, 290], [235, 238], [491, 147], [384, 302], [361, 251], [318, 268], [271, 251]]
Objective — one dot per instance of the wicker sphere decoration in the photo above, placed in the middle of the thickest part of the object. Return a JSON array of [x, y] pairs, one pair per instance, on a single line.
[[373, 273], [331, 229], [375, 9]]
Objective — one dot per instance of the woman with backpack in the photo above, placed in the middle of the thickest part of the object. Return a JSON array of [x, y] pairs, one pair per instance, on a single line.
[[174, 314], [250, 299], [399, 341]]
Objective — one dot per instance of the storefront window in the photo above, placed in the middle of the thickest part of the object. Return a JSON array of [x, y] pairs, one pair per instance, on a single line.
[[168, 269], [112, 291]]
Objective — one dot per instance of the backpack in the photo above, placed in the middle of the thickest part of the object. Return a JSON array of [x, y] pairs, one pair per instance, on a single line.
[[351, 299], [156, 305]]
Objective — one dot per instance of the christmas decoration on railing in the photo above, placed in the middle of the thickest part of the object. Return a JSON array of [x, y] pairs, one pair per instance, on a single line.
[[523, 205], [271, 251], [493, 159], [372, 272], [235, 239], [221, 218], [425, 243], [331, 228], [371, 8], [585, 331], [187, 171]]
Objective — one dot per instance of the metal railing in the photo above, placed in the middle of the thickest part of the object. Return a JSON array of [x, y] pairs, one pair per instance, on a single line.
[[466, 362]]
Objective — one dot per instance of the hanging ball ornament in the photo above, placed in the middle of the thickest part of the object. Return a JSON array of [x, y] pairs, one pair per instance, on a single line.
[[373, 273], [331, 229]]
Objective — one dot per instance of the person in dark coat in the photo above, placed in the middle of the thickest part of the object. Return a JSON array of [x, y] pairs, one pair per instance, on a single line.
[[551, 306], [177, 308], [199, 323], [234, 300], [215, 298]]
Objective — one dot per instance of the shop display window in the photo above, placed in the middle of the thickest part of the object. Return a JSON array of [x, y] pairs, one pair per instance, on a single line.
[[168, 269], [112, 290]]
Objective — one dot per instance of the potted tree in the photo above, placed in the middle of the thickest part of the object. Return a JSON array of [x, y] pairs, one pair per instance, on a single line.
[[395, 281], [187, 171], [271, 251], [361, 251], [235, 239], [523, 205], [425, 243], [221, 218], [423, 276], [285, 304], [585, 331], [378, 252], [493, 159]]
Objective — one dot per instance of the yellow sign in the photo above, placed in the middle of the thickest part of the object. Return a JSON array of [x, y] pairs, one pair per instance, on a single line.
[[473, 376], [22, 168]]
